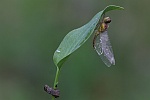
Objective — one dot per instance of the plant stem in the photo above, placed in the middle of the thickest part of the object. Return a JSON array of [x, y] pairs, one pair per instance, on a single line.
[[53, 98], [56, 81]]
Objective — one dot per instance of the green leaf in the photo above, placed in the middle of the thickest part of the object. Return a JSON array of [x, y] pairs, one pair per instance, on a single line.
[[77, 37]]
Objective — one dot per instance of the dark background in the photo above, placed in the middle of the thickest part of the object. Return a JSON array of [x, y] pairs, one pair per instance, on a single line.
[[31, 30]]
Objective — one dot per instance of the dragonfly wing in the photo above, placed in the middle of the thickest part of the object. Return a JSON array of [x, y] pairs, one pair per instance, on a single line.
[[104, 49], [97, 45]]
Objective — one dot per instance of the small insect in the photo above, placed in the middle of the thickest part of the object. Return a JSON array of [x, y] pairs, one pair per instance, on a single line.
[[53, 92], [102, 44]]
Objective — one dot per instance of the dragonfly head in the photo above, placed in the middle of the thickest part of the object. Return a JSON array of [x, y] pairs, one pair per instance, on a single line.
[[107, 20]]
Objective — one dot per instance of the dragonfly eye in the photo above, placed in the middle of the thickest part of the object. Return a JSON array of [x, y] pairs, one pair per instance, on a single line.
[[107, 20]]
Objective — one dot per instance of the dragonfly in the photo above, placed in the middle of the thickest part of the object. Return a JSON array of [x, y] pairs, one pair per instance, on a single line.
[[101, 42]]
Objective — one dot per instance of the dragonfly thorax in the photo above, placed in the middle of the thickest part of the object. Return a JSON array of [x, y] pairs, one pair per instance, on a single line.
[[104, 25]]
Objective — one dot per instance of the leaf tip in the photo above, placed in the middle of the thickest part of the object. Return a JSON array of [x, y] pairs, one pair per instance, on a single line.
[[116, 7]]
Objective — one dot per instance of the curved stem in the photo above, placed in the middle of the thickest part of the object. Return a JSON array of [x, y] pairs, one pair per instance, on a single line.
[[56, 81]]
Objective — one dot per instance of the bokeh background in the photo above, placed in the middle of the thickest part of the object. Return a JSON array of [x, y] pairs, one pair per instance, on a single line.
[[31, 30]]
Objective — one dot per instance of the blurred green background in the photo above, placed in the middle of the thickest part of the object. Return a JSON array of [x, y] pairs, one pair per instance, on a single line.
[[31, 30]]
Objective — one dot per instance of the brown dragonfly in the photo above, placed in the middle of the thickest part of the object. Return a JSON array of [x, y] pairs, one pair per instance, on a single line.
[[101, 42]]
